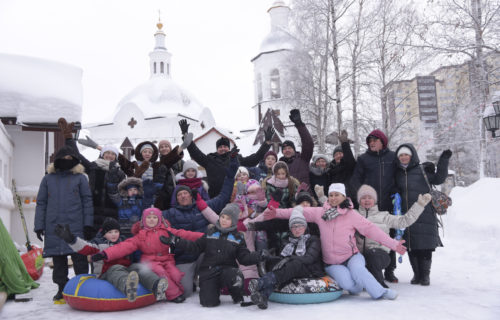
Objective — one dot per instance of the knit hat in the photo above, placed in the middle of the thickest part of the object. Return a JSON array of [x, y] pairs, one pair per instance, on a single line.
[[378, 135], [181, 188], [288, 143], [111, 148], [190, 164], [337, 187], [280, 165], [303, 196], [223, 141], [297, 217], [404, 150], [366, 190], [109, 224], [233, 211], [146, 146], [150, 211], [241, 170], [337, 149], [165, 142], [271, 153], [320, 156]]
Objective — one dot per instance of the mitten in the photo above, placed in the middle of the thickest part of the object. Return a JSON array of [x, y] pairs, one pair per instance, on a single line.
[[270, 213], [343, 136], [115, 175], [446, 154], [40, 234], [188, 138], [424, 199], [320, 191], [66, 128], [64, 233], [303, 187], [295, 117], [234, 151], [240, 188], [184, 126], [139, 170], [276, 196], [200, 203], [171, 240], [87, 232], [268, 134], [88, 142], [99, 256], [400, 248]]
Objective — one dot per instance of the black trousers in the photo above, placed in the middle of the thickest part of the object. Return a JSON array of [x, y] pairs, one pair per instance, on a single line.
[[392, 254], [292, 269], [60, 273], [214, 279], [376, 261]]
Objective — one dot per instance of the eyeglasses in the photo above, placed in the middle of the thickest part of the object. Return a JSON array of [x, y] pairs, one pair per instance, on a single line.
[[297, 226]]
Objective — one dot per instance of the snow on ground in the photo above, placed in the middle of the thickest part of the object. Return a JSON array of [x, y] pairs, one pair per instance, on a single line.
[[465, 281]]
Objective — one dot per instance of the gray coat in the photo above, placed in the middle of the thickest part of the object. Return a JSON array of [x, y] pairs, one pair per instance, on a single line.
[[63, 198]]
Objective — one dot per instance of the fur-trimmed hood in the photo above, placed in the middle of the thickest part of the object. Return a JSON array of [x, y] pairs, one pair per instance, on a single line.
[[122, 186], [75, 170]]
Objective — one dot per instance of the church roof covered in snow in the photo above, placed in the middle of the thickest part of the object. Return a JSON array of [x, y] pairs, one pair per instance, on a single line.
[[34, 90]]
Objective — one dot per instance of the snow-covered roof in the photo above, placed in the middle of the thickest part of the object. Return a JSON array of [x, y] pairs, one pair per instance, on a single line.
[[278, 39], [39, 90], [161, 96]]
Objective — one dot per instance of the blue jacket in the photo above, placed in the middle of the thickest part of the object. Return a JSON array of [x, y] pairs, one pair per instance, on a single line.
[[191, 219], [63, 198]]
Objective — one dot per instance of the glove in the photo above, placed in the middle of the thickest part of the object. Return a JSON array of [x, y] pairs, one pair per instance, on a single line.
[[88, 142], [424, 199], [265, 255], [234, 152], [268, 134], [302, 187], [400, 248], [343, 136], [188, 138], [160, 174], [200, 203], [64, 233], [280, 264], [241, 189], [184, 126], [320, 191], [232, 168], [115, 175], [171, 240], [270, 213], [446, 154], [99, 256], [66, 129], [295, 117], [87, 232], [40, 234], [139, 170]]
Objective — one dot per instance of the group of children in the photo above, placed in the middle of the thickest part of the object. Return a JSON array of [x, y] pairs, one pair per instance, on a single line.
[[142, 246]]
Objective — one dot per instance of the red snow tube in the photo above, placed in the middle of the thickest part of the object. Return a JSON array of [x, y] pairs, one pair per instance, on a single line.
[[86, 292]]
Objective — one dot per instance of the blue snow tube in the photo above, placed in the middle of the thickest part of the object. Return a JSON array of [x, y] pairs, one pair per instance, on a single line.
[[307, 290], [86, 292]]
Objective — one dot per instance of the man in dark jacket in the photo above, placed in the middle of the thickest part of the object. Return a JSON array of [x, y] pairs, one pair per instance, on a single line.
[[186, 215], [298, 162], [216, 162], [376, 168], [342, 167]]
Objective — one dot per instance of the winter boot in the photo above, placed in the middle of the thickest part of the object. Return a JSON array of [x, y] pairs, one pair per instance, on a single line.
[[389, 276], [179, 299], [425, 271], [131, 285], [261, 289], [159, 289], [59, 298], [236, 289], [416, 269]]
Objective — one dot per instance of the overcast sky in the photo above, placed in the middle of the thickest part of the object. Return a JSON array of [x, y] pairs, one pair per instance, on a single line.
[[212, 43]]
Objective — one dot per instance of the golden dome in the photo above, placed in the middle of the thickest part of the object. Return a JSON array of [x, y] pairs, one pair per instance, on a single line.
[[159, 25]]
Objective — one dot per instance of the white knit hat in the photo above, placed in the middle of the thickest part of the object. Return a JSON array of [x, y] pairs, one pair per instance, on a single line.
[[404, 150], [241, 170], [111, 148], [190, 164], [337, 187], [297, 217]]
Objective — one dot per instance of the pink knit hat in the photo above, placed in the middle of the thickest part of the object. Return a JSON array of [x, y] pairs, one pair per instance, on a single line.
[[150, 211], [366, 190]]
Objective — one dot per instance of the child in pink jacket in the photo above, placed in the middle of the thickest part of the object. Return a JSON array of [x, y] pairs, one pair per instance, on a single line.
[[155, 254], [338, 223]]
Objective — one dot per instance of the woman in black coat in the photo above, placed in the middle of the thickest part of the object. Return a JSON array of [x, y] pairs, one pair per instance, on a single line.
[[422, 237]]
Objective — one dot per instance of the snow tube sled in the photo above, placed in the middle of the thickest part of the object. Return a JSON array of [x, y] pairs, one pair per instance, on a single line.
[[307, 290], [86, 292]]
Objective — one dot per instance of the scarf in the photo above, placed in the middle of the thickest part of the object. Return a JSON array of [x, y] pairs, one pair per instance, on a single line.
[[278, 182], [330, 214], [192, 183], [225, 230], [297, 244], [102, 164]]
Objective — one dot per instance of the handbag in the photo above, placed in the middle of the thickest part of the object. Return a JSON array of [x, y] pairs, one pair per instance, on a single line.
[[440, 200]]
